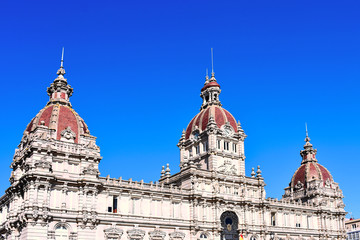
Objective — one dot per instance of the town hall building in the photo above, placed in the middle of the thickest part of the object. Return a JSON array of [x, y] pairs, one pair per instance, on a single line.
[[56, 191]]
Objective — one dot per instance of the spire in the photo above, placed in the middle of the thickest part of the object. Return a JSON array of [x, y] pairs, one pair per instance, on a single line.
[[308, 154], [62, 58], [60, 91], [212, 63], [61, 71], [210, 92]]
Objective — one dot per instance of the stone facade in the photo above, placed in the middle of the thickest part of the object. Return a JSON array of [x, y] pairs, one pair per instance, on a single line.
[[57, 192]]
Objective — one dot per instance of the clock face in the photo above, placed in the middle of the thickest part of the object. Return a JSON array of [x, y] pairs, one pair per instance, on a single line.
[[227, 131]]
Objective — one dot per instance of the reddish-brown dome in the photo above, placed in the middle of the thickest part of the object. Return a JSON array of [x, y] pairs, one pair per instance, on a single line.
[[59, 117], [220, 115], [210, 84], [310, 171]]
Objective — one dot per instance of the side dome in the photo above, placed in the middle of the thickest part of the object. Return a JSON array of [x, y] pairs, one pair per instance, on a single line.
[[65, 122], [312, 182], [58, 115], [308, 172], [220, 115]]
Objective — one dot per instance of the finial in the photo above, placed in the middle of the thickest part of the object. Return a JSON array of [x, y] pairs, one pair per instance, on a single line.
[[212, 62], [62, 58], [167, 171], [252, 172], [258, 172], [163, 172]]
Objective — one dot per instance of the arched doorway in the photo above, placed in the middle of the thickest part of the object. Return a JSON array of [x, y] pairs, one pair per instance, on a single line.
[[229, 223]]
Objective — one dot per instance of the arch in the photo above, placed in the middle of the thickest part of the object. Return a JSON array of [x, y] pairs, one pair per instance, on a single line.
[[229, 223], [254, 237], [204, 235], [62, 232]]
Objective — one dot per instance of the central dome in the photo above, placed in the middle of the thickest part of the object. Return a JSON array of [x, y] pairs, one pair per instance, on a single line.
[[220, 115]]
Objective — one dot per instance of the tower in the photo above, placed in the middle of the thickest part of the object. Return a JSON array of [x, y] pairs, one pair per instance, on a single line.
[[213, 140], [313, 183]]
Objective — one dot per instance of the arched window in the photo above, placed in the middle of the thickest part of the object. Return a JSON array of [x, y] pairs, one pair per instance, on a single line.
[[61, 233], [203, 236], [253, 238]]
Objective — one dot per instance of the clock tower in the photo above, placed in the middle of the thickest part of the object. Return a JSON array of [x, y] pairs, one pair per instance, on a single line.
[[213, 140]]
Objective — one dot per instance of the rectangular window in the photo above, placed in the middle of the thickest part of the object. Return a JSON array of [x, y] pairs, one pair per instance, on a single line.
[[286, 215], [114, 204], [234, 147], [219, 144], [226, 146], [298, 221], [205, 147], [197, 149], [273, 223]]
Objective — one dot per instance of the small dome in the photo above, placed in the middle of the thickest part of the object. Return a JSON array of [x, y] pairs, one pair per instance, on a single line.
[[59, 118], [220, 115], [310, 171], [210, 84]]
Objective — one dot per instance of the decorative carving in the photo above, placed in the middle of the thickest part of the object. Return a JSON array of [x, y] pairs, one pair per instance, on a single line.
[[68, 135], [136, 233], [328, 183], [91, 170], [227, 168], [157, 235], [113, 232], [299, 185], [42, 163], [177, 235]]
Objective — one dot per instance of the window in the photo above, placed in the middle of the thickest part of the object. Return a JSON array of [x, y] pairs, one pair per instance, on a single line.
[[114, 204], [205, 146], [308, 221], [286, 217], [353, 226], [219, 144], [203, 236], [253, 238], [234, 147], [273, 223], [298, 220], [226, 146], [197, 149], [61, 233]]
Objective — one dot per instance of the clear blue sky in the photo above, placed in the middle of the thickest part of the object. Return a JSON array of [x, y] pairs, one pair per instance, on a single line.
[[137, 68]]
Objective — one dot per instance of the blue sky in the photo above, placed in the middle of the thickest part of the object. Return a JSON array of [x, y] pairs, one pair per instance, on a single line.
[[137, 68]]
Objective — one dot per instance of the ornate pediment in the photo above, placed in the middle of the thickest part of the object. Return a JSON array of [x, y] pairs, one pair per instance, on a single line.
[[136, 233], [157, 235], [113, 232], [67, 135], [299, 185], [177, 235]]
